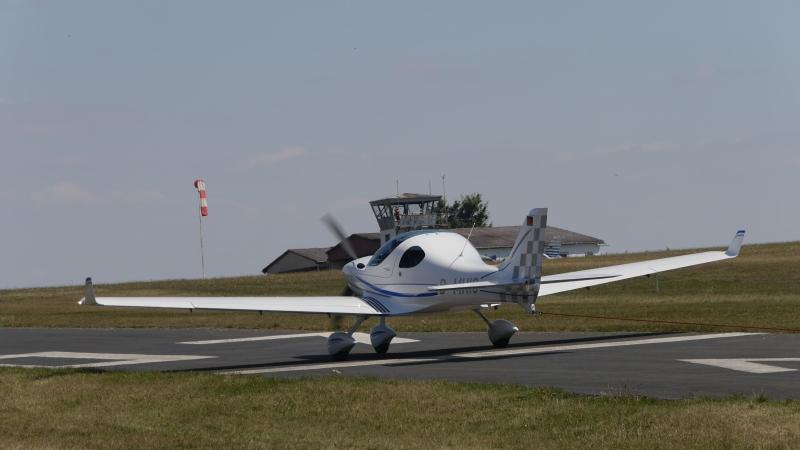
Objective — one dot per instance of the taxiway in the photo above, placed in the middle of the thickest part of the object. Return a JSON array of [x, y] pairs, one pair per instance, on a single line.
[[664, 365]]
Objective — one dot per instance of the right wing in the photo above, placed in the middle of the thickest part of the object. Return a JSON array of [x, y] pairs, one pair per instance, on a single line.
[[318, 305]]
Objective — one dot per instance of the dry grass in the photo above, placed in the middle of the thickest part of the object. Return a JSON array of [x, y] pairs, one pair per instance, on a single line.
[[79, 409], [70, 409], [760, 288]]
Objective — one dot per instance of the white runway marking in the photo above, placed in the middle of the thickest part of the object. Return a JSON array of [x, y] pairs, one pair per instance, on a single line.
[[255, 338], [117, 359], [748, 365], [331, 365], [489, 353], [361, 338], [561, 348]]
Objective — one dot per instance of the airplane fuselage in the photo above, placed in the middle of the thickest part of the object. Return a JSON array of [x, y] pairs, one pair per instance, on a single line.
[[400, 273]]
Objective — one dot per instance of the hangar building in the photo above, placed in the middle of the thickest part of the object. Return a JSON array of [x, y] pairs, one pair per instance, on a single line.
[[414, 211], [298, 260], [493, 242]]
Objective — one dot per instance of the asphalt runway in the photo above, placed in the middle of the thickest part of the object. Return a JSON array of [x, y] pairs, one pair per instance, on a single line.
[[664, 365]]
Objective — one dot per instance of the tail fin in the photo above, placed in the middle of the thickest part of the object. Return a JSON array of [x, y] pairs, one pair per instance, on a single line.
[[524, 263]]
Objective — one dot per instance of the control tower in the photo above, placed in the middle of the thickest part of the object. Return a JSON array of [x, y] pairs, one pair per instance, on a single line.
[[405, 212]]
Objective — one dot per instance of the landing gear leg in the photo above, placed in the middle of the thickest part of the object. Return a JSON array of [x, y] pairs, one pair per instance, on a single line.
[[500, 330], [381, 336], [340, 343]]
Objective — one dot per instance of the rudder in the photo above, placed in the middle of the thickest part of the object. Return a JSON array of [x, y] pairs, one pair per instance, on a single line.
[[524, 263]]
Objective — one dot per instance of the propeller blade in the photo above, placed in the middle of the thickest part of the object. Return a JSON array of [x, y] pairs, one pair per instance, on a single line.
[[338, 231]]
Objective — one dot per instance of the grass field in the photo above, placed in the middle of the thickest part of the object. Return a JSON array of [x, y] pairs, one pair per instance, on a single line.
[[759, 288], [81, 409], [71, 409]]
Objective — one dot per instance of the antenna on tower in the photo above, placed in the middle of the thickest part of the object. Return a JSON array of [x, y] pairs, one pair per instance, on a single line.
[[444, 197], [444, 191]]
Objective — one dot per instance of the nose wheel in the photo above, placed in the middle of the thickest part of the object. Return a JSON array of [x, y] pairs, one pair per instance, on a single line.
[[340, 343], [500, 330]]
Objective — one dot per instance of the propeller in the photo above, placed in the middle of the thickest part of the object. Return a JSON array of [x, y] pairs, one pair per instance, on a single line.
[[338, 231], [336, 321]]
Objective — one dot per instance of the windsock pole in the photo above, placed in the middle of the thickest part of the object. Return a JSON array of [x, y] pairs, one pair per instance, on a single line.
[[202, 251], [200, 185]]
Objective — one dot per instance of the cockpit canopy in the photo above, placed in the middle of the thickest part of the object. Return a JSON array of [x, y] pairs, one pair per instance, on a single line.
[[387, 249], [428, 250]]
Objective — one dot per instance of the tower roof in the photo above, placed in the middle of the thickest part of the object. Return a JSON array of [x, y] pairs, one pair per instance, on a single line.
[[406, 198]]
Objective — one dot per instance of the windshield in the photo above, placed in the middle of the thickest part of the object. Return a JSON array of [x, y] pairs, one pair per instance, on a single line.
[[387, 248]]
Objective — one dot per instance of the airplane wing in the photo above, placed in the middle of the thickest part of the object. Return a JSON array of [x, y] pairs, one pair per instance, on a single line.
[[318, 305], [553, 284], [572, 280]]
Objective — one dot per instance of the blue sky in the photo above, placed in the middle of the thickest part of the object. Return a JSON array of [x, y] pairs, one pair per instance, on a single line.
[[648, 124]]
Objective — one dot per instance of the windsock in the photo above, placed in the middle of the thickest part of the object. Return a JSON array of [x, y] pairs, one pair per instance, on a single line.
[[200, 185]]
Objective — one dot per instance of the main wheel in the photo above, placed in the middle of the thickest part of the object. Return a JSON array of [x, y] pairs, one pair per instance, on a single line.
[[500, 332], [380, 337]]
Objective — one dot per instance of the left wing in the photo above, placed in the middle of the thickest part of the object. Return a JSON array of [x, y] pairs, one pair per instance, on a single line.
[[563, 282], [553, 284], [318, 305]]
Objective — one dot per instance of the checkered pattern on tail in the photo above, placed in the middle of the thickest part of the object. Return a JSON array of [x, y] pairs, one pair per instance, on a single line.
[[525, 261]]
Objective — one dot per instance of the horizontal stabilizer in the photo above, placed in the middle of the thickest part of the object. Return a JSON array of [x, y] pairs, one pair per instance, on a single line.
[[492, 284]]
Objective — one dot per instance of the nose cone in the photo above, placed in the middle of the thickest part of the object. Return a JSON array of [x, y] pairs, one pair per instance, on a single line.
[[349, 270]]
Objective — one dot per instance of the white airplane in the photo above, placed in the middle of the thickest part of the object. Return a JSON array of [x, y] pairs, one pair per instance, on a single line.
[[431, 271]]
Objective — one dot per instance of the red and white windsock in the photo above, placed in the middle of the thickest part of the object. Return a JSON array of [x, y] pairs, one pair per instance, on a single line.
[[200, 185]]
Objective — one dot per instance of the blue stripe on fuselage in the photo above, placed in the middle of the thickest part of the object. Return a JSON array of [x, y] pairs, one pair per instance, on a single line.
[[394, 294]]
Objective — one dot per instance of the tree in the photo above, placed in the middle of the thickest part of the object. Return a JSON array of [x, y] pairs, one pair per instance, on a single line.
[[464, 213]]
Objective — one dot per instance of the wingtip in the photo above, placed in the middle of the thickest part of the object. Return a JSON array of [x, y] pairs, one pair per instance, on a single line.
[[736, 244], [88, 298]]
